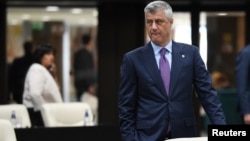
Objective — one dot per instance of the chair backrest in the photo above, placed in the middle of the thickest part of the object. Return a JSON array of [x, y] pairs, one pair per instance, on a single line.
[[189, 139], [7, 132], [21, 111], [65, 114]]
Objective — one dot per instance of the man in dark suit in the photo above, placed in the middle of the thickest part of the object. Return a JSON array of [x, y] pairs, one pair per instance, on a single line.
[[83, 64], [152, 109], [243, 82], [18, 70]]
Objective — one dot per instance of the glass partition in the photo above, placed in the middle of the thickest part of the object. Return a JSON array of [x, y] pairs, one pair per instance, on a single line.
[[63, 28]]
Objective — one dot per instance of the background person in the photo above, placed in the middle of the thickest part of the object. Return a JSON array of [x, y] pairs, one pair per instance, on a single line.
[[18, 71], [243, 83], [220, 81], [148, 110], [83, 65], [40, 85]]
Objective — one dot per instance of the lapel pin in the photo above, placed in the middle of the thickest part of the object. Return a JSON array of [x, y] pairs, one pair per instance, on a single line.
[[183, 56]]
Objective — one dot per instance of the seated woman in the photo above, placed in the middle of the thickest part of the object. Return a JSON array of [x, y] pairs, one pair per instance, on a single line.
[[40, 84]]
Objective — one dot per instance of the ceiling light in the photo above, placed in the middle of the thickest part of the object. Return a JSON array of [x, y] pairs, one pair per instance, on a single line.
[[52, 8], [222, 14], [76, 10]]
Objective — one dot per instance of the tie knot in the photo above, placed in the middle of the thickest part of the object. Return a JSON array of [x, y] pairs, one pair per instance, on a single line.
[[163, 51]]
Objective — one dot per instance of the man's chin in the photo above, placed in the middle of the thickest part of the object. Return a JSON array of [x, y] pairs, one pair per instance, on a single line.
[[156, 42]]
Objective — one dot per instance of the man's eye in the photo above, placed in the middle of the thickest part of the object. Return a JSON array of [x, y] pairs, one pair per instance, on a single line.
[[149, 22], [158, 21]]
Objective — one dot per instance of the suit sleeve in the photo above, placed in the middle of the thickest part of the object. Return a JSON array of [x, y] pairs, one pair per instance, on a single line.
[[206, 93], [127, 100], [242, 78]]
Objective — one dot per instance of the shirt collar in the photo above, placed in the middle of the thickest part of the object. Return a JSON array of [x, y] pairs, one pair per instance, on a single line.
[[157, 48]]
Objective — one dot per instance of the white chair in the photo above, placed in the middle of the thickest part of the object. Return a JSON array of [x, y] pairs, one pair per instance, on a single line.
[[65, 114], [189, 139], [21, 111], [7, 132]]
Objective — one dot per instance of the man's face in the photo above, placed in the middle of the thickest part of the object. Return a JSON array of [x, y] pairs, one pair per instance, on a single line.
[[158, 27]]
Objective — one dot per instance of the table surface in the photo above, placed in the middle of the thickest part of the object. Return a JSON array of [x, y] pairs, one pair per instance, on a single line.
[[92, 133]]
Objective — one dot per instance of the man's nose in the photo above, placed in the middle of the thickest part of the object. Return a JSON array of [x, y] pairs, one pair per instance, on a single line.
[[154, 25]]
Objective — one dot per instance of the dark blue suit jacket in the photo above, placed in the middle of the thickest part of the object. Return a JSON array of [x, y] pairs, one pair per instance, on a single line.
[[243, 79], [146, 111]]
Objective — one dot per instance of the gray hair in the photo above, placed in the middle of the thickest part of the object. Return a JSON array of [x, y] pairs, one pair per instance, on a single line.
[[154, 6]]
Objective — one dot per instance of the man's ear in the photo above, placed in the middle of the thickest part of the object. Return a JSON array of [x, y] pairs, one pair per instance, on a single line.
[[171, 20]]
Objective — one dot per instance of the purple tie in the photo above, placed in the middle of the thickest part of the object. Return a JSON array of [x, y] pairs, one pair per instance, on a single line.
[[165, 73], [164, 69]]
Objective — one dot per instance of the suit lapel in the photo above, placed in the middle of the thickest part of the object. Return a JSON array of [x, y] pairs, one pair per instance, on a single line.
[[177, 56], [148, 60]]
